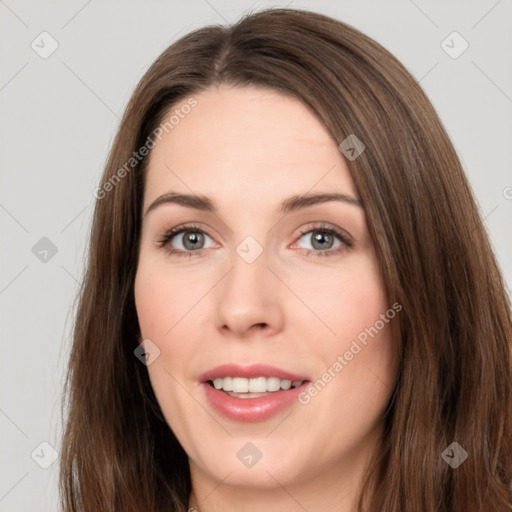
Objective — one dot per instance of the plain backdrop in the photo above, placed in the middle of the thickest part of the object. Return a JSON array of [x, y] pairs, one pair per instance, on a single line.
[[58, 118]]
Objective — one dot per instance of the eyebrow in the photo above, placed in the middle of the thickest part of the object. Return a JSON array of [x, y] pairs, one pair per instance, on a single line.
[[291, 204]]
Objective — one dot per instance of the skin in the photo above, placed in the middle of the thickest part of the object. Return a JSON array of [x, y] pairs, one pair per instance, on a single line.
[[248, 149]]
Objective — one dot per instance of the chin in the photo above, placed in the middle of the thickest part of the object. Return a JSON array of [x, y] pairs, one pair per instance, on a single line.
[[273, 468]]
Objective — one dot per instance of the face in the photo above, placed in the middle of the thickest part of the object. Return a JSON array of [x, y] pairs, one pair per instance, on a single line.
[[245, 287]]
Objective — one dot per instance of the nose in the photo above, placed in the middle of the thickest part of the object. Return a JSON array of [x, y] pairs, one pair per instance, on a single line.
[[249, 299]]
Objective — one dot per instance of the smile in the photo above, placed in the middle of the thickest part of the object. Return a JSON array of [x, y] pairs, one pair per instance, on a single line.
[[251, 393]]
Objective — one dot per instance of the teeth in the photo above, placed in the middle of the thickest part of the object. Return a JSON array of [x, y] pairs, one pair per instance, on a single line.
[[273, 384], [254, 385], [286, 384], [227, 385], [240, 385], [258, 385]]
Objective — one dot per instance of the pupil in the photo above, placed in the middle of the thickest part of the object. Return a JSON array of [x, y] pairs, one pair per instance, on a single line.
[[192, 240], [319, 240]]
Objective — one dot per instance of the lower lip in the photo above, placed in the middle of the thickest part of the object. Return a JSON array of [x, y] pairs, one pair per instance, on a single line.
[[251, 409]]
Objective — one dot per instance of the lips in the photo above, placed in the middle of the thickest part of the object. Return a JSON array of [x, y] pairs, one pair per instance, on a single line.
[[253, 407]]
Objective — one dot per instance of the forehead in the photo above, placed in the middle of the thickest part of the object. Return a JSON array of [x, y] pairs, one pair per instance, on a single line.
[[246, 138]]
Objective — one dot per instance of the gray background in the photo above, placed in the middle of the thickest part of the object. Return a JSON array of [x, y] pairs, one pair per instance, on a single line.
[[59, 116]]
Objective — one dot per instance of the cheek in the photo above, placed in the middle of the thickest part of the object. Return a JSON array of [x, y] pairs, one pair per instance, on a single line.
[[159, 309], [356, 362], [161, 297], [168, 311], [367, 347], [347, 301]]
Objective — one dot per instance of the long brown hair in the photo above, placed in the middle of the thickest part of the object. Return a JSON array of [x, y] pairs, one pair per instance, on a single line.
[[455, 329]]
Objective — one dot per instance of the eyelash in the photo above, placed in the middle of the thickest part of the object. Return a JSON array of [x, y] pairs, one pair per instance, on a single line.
[[322, 228]]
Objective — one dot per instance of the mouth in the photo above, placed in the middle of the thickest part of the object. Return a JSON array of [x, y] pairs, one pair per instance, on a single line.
[[252, 393]]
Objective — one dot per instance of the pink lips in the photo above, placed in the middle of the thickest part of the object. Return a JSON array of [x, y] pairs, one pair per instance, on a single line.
[[250, 409]]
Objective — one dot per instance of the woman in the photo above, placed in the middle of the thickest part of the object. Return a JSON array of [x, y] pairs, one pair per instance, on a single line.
[[290, 301]]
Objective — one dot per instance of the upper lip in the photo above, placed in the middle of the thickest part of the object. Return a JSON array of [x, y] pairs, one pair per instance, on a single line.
[[250, 371]]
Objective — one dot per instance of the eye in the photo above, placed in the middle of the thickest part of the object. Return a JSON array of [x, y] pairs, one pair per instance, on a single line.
[[324, 240], [190, 240], [185, 240]]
